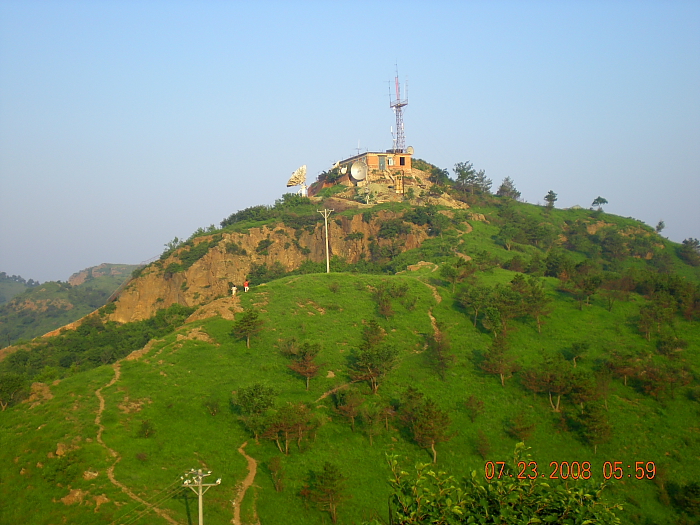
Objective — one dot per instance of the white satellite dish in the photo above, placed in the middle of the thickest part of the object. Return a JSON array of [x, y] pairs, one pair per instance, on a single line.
[[409, 150], [298, 178], [358, 171], [344, 170]]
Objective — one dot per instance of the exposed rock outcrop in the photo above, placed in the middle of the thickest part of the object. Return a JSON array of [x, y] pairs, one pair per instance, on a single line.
[[208, 278]]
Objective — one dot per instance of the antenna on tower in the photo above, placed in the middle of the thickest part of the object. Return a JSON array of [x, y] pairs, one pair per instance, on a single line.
[[397, 105]]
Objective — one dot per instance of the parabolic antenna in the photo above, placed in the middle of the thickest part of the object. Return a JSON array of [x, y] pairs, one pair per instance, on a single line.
[[344, 170], [409, 150], [358, 171], [298, 177]]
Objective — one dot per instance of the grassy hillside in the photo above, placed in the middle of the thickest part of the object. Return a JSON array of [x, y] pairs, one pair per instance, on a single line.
[[575, 331], [171, 388], [11, 285], [41, 308]]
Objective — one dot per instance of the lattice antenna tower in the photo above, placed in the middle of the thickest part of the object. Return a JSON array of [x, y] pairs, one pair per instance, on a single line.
[[397, 104]]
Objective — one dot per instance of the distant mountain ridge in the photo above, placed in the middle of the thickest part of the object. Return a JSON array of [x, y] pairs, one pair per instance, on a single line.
[[39, 308]]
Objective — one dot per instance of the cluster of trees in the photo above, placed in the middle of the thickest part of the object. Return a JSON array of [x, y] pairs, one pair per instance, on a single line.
[[94, 343], [518, 227], [17, 279], [498, 305], [689, 251], [289, 209]]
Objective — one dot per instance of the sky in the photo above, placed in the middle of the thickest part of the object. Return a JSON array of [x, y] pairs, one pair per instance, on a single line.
[[126, 124]]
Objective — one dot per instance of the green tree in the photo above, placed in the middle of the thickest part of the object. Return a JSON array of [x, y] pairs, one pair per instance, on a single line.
[[594, 426], [253, 401], [551, 198], [465, 176], [429, 425], [248, 325], [552, 376], [599, 202], [327, 489], [507, 189], [13, 388], [497, 361], [660, 226], [690, 251], [303, 358], [475, 298], [440, 352], [348, 404]]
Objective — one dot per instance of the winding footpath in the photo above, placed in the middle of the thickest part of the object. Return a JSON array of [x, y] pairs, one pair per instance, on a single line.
[[114, 454], [247, 482]]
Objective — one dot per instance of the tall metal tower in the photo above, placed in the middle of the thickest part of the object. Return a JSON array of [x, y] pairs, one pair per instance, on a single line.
[[397, 105]]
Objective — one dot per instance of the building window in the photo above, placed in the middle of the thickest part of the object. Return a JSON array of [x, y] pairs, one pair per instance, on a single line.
[[391, 161], [402, 161]]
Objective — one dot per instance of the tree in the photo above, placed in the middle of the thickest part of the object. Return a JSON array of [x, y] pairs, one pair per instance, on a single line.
[[465, 175], [536, 301], [520, 427], [256, 398], [474, 298], [599, 202], [660, 226], [247, 325], [326, 488], [497, 361], [439, 176], [440, 352], [348, 405], [474, 406], [594, 426], [277, 471], [293, 420], [12, 389], [690, 251], [253, 401], [430, 425], [372, 361], [507, 189], [458, 271], [552, 376], [372, 416], [303, 356], [551, 198]]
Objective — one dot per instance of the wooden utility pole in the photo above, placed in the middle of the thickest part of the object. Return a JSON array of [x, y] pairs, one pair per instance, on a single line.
[[198, 487], [326, 213]]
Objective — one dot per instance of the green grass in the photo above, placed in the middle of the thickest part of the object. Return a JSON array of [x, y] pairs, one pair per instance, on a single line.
[[173, 381]]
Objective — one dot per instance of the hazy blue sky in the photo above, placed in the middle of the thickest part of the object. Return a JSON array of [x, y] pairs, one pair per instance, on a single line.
[[125, 124]]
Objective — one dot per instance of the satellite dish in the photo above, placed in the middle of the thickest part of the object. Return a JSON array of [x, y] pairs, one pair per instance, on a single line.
[[344, 170], [409, 150], [358, 171], [298, 177]]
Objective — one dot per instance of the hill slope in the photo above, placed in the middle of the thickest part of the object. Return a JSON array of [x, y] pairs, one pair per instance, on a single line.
[[618, 335], [42, 308]]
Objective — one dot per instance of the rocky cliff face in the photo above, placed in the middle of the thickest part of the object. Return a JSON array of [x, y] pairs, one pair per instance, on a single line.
[[208, 278]]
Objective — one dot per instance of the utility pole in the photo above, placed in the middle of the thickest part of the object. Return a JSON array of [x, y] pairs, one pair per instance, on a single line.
[[325, 214], [198, 487]]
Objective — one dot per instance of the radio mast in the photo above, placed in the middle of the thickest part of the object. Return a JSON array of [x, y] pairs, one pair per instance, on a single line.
[[397, 105]]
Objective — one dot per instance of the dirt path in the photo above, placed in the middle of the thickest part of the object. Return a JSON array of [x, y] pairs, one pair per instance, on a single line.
[[247, 482], [433, 322], [437, 296], [114, 454], [333, 391]]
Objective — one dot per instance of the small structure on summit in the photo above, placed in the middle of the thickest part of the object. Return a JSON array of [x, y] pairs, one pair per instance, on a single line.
[[377, 172]]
